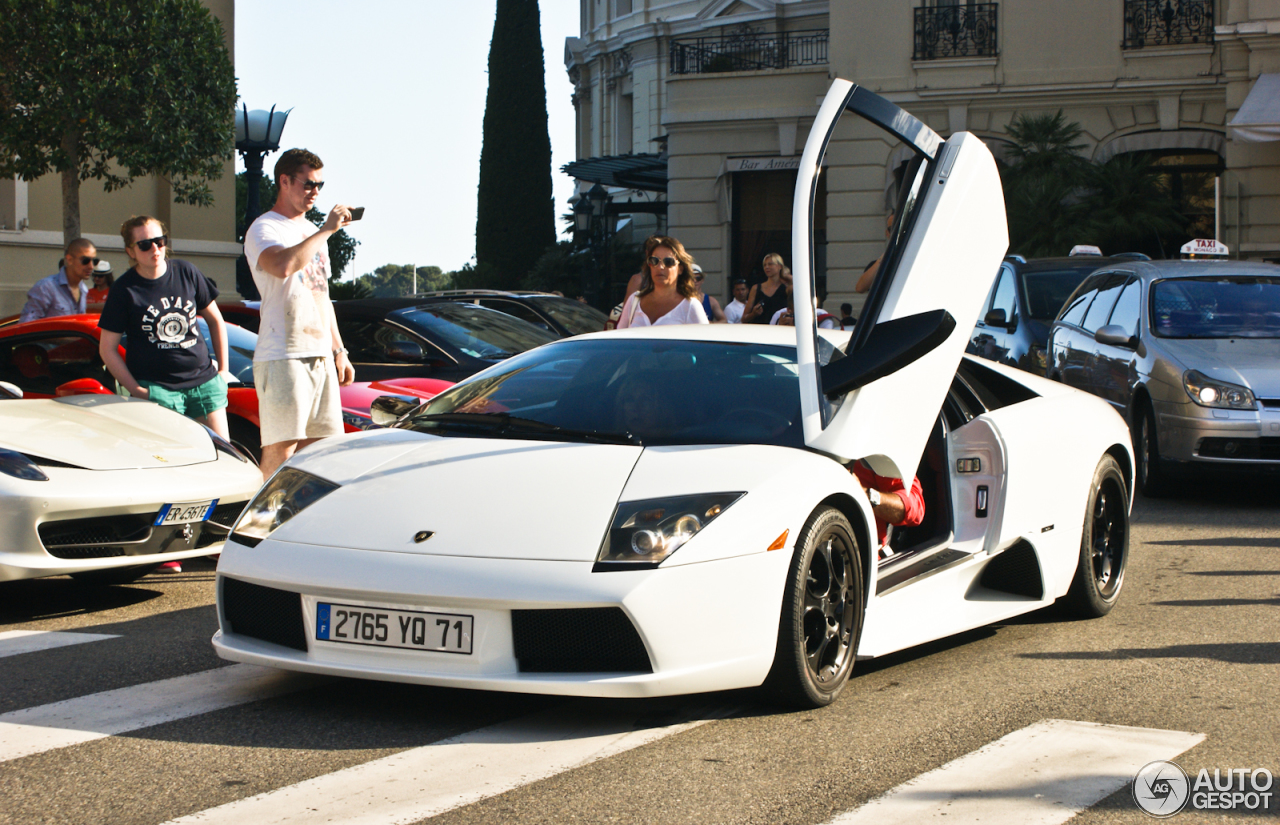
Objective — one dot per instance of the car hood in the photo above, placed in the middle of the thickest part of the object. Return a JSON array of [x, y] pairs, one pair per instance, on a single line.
[[478, 497], [103, 432], [1248, 361]]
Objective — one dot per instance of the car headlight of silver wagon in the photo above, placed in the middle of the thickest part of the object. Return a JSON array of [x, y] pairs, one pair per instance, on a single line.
[[288, 493], [646, 532], [1207, 392]]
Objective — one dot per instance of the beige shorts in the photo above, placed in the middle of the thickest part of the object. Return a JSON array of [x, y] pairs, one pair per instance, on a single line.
[[297, 398]]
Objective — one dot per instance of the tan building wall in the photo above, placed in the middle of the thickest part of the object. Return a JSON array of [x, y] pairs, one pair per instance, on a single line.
[[1048, 56], [31, 242]]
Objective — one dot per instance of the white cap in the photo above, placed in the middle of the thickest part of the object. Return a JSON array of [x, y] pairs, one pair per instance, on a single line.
[[697, 270]]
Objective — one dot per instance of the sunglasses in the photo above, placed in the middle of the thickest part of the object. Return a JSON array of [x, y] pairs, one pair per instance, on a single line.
[[699, 278], [669, 263], [85, 259], [145, 243], [309, 185]]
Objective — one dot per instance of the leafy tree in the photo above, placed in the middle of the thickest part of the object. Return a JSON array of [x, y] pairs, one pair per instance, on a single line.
[[396, 280], [114, 90], [564, 268], [515, 215], [342, 247], [1055, 198]]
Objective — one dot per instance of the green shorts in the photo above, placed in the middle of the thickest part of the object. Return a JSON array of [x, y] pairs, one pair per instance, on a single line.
[[193, 402]]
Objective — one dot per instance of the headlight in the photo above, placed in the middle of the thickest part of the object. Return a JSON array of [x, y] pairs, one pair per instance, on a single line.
[[288, 493], [19, 466], [1209, 393], [220, 443], [646, 532]]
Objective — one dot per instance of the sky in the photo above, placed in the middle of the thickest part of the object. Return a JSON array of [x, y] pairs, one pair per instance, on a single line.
[[390, 94]]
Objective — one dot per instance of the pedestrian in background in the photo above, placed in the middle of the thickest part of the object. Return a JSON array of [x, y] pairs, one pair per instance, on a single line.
[[670, 294], [734, 309], [102, 281], [63, 292], [710, 306], [300, 361], [765, 299], [846, 316]]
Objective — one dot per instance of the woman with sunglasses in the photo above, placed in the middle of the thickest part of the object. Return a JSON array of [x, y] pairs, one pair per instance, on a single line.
[[102, 281], [668, 294], [765, 299]]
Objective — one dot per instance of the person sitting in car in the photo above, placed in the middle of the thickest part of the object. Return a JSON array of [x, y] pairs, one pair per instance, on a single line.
[[892, 502]]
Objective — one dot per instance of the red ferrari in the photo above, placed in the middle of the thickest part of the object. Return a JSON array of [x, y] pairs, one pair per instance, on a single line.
[[54, 357]]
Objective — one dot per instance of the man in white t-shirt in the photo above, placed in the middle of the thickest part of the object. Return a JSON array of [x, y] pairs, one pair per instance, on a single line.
[[734, 309], [300, 361]]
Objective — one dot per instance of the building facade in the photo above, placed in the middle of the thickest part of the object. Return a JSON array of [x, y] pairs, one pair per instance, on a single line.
[[31, 241], [730, 86]]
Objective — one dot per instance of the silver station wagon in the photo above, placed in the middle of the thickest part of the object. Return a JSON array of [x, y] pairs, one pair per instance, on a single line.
[[1188, 352]]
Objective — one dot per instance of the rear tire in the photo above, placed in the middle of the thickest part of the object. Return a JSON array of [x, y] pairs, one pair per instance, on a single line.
[[822, 611], [1153, 477], [114, 575], [1104, 544], [246, 437]]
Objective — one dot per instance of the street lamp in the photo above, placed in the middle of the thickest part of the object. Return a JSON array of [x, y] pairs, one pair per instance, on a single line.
[[257, 135]]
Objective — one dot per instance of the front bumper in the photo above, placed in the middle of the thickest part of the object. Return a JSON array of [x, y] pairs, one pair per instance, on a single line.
[[703, 627], [1227, 439]]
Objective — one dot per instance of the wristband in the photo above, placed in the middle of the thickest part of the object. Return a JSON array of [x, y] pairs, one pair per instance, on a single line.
[[342, 351]]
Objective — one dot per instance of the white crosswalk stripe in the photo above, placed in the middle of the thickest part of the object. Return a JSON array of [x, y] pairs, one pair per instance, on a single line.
[[423, 782], [85, 718], [14, 642], [1041, 775]]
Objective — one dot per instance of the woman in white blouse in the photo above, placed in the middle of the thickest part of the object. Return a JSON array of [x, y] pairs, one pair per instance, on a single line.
[[668, 295]]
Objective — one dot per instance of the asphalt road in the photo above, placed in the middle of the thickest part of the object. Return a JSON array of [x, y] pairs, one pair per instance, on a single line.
[[1193, 646]]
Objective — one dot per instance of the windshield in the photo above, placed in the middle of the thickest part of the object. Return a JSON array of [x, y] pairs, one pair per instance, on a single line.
[[477, 331], [646, 391], [1216, 307], [574, 316], [1049, 289], [240, 346]]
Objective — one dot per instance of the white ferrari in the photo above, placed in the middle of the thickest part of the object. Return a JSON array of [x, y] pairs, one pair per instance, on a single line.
[[105, 489], [670, 510]]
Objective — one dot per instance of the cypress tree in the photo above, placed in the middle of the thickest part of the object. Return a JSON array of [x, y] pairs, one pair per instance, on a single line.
[[515, 214]]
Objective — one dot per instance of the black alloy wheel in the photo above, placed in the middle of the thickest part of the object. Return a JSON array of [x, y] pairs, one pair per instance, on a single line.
[[1104, 544], [822, 611]]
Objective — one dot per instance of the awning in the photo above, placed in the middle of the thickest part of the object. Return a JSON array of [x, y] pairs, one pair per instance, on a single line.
[[647, 172], [1259, 117]]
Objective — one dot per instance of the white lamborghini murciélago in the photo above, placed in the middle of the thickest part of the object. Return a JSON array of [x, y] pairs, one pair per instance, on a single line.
[[667, 510]]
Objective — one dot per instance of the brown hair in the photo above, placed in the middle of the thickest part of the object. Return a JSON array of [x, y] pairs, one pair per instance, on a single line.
[[126, 228], [685, 284], [293, 160]]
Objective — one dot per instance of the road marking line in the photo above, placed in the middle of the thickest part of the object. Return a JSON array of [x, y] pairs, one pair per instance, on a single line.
[[96, 716], [427, 781], [14, 642], [1041, 775]]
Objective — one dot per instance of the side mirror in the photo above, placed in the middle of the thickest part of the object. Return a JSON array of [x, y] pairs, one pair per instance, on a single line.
[[891, 346], [403, 351], [388, 409], [81, 386], [1116, 336], [996, 318]]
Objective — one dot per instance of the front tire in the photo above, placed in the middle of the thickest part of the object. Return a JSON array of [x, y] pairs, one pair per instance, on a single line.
[[822, 611], [1153, 478], [1104, 544]]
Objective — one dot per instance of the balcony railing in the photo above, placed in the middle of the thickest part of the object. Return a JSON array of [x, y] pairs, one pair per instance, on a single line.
[[1167, 22], [751, 51], [967, 30]]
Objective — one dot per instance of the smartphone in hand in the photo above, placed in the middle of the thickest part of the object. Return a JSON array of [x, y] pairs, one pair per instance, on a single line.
[[357, 212]]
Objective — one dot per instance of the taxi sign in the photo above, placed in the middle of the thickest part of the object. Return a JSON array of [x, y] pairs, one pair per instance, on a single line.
[[1085, 249], [1204, 247]]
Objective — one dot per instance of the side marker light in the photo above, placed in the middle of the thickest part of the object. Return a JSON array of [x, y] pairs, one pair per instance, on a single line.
[[781, 541]]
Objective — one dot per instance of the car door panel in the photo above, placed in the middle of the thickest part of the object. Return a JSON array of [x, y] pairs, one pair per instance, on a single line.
[[954, 202]]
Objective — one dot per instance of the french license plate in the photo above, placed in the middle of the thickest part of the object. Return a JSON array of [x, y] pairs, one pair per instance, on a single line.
[[383, 627], [185, 513]]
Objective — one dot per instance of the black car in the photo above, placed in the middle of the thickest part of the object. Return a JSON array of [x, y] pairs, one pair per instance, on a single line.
[[410, 337], [1025, 298], [557, 314]]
